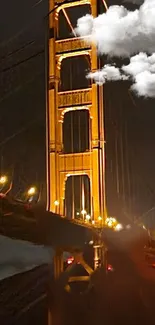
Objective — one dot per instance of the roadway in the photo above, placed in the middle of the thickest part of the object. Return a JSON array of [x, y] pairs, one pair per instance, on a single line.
[[38, 226], [125, 296]]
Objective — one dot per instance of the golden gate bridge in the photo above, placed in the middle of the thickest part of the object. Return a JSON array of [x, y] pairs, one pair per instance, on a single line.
[[75, 155]]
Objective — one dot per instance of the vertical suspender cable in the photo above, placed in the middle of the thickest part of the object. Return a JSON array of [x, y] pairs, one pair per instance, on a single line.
[[72, 149], [116, 155], [122, 154], [81, 205], [48, 176], [128, 166]]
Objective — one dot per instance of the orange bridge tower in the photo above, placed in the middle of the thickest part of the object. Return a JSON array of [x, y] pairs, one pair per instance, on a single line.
[[87, 99]]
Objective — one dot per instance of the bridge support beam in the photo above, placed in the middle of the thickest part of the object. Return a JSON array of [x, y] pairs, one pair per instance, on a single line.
[[99, 260], [63, 276], [100, 255], [58, 263]]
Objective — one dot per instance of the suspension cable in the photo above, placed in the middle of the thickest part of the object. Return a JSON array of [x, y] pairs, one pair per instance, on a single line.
[[68, 21], [72, 150]]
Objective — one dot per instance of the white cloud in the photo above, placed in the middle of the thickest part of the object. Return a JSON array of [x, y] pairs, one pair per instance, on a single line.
[[140, 63], [123, 33], [142, 70], [107, 73], [144, 84], [120, 32], [84, 25]]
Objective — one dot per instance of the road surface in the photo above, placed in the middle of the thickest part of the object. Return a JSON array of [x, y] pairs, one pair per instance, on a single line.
[[126, 296]]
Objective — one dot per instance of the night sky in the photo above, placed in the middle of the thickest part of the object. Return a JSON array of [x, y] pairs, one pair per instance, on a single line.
[[129, 121], [22, 94]]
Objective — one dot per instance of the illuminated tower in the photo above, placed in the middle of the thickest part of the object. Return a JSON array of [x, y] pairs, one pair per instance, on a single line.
[[61, 165]]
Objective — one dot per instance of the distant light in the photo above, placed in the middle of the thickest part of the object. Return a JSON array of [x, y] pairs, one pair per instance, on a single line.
[[91, 242], [3, 180], [144, 227], [118, 227], [56, 203], [110, 224], [70, 260], [110, 268], [128, 227], [113, 220], [83, 212], [93, 222], [99, 218], [107, 220], [31, 191], [88, 217], [77, 213]]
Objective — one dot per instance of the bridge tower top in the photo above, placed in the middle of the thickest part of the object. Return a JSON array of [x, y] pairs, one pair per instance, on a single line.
[[82, 163]]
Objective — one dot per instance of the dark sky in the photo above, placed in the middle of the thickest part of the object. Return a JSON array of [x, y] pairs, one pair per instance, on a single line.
[[22, 100], [22, 116]]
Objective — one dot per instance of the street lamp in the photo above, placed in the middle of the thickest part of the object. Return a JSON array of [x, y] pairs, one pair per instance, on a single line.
[[88, 217], [118, 227], [83, 212], [31, 191], [56, 203], [3, 180]]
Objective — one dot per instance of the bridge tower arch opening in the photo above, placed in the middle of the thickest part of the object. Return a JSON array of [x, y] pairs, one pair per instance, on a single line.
[[63, 165], [77, 198]]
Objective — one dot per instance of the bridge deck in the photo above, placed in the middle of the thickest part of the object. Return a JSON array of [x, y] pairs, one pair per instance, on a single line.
[[40, 227]]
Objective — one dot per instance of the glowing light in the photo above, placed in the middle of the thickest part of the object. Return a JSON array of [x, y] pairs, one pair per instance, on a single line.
[[77, 213], [91, 242], [93, 222], [110, 224], [99, 218], [88, 217], [31, 191], [110, 268], [70, 260], [107, 220], [118, 227], [3, 180], [83, 212], [56, 203]]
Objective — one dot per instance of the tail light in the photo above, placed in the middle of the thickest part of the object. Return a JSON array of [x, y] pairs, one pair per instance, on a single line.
[[70, 260], [110, 268]]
